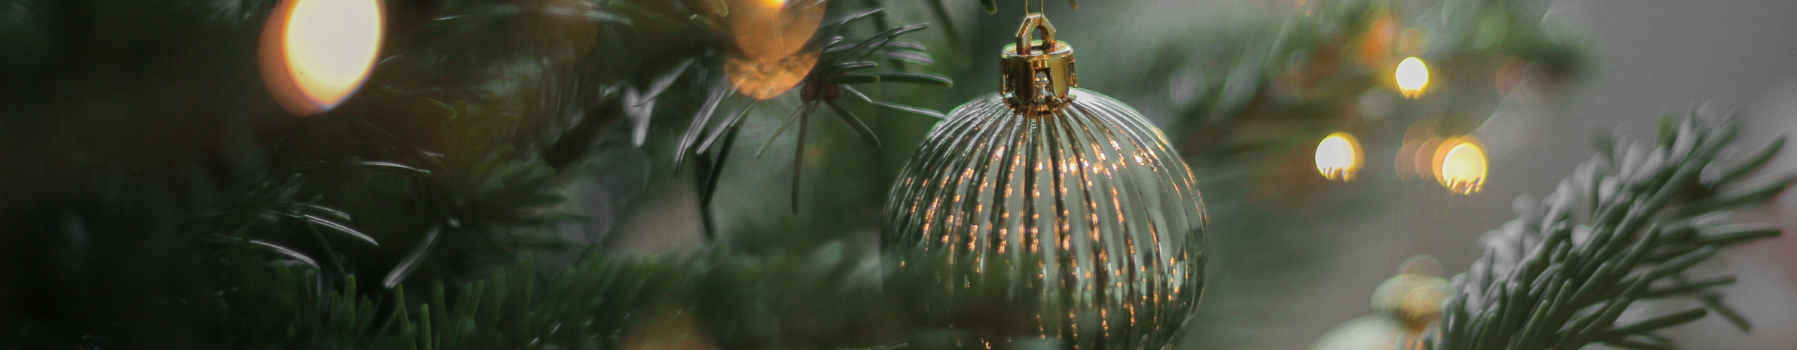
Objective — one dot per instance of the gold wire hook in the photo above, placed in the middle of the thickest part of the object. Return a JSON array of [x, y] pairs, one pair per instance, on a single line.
[[1041, 7]]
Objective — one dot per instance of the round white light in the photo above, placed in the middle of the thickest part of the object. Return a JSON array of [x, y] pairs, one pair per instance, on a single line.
[[1412, 76], [318, 52]]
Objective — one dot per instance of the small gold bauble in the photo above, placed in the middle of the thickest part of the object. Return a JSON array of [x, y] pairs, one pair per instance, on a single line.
[[764, 79], [774, 29]]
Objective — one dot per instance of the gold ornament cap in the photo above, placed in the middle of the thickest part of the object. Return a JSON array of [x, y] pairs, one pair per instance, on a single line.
[[1038, 73]]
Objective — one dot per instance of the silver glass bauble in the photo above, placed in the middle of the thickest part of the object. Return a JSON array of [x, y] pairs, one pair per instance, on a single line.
[[1049, 213]]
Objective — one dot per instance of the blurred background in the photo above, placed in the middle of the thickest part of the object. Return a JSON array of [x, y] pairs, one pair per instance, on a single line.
[[1316, 260], [126, 125]]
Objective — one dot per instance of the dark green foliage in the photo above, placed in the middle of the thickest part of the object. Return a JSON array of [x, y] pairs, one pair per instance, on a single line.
[[1624, 229], [584, 308], [157, 181], [819, 299]]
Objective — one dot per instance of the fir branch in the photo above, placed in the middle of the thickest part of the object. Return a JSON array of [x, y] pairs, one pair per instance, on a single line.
[[572, 146], [1296, 75], [841, 62], [1625, 228], [821, 298]]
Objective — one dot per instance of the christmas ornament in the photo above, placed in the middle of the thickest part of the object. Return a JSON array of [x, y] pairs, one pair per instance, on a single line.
[[765, 79], [315, 53], [1372, 332], [1403, 308], [774, 29], [1049, 211], [1413, 297], [669, 329], [772, 45], [825, 72]]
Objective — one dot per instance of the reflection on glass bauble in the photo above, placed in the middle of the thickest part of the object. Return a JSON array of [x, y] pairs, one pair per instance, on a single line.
[[1076, 224]]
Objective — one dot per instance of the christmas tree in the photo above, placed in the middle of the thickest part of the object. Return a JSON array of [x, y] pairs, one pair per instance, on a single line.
[[695, 174]]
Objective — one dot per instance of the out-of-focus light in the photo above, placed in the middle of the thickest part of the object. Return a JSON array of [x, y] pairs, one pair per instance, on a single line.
[[1460, 164], [1410, 41], [315, 53], [1375, 47], [1412, 76], [1338, 156], [1417, 139], [1406, 160], [1422, 159], [773, 29]]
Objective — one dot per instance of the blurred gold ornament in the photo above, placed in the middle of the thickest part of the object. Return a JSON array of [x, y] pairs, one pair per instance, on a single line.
[[1412, 76], [1339, 156], [1460, 164], [764, 79], [1403, 308], [669, 330], [315, 53], [771, 38], [1414, 297], [773, 29], [1375, 332]]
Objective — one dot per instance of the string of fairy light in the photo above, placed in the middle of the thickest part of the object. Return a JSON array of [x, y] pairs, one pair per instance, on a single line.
[[1457, 163]]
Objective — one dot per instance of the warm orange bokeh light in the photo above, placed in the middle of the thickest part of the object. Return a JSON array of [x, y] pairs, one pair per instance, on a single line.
[[315, 53], [1460, 164]]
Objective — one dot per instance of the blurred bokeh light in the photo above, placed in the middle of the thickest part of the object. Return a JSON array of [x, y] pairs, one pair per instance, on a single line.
[[317, 52], [1460, 164], [1339, 156], [1412, 76]]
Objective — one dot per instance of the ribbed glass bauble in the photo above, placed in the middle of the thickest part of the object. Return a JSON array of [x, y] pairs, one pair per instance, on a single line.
[[1050, 213]]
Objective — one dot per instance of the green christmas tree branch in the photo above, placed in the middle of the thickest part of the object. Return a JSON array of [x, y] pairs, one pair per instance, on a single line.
[[824, 298], [1276, 79], [1624, 228]]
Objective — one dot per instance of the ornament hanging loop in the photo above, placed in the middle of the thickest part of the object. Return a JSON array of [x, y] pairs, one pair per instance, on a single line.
[[1026, 41], [1038, 73]]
